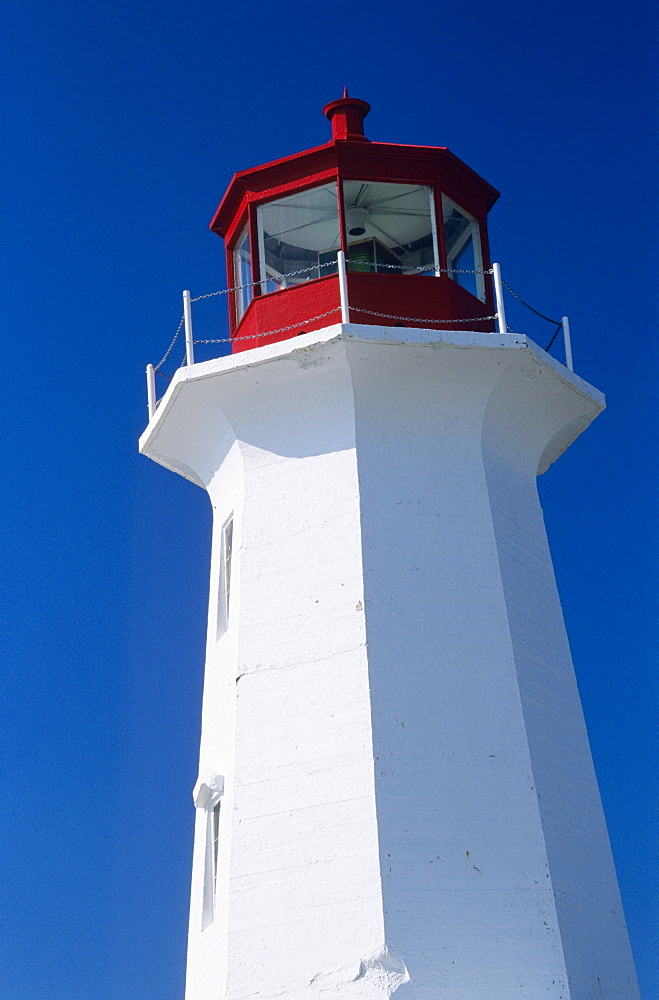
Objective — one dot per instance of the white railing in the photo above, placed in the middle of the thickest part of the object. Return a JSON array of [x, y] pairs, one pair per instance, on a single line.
[[499, 316], [343, 286], [498, 294]]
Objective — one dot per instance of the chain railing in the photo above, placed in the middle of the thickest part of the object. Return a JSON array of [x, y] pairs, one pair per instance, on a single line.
[[343, 309], [562, 324], [420, 319]]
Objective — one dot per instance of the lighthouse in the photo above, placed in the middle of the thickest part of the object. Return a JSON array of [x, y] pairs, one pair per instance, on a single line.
[[395, 794]]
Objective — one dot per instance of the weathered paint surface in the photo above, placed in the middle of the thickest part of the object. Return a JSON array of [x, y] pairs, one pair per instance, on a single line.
[[409, 804]]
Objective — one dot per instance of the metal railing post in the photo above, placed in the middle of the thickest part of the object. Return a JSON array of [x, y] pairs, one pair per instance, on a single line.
[[343, 286], [498, 291], [567, 341], [151, 389], [187, 316]]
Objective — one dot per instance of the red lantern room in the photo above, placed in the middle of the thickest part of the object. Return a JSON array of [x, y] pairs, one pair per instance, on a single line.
[[411, 220]]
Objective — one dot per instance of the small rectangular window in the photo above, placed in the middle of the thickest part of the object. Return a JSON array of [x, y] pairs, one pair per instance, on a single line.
[[224, 596], [242, 272], [464, 261], [210, 865], [227, 545]]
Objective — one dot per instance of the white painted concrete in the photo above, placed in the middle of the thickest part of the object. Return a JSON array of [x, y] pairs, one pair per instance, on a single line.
[[408, 804]]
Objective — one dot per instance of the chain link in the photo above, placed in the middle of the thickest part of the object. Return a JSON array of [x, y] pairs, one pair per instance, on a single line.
[[419, 267], [253, 284], [558, 329], [331, 263], [312, 319], [520, 299], [368, 312], [559, 324], [269, 333], [306, 270], [169, 349], [417, 319], [222, 291]]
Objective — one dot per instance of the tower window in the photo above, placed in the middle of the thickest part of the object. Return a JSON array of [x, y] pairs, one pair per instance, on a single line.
[[242, 270], [390, 228], [224, 596], [463, 248], [298, 233], [210, 864]]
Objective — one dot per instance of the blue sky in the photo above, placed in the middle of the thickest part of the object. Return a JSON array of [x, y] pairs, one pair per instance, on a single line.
[[123, 124]]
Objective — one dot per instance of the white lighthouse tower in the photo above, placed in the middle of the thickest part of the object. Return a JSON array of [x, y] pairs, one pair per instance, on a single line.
[[395, 794]]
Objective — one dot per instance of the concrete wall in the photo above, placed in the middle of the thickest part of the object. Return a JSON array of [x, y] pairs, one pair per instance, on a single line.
[[588, 905], [409, 803]]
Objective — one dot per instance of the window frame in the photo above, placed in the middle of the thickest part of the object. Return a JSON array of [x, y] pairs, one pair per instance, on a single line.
[[241, 303], [207, 796], [248, 219], [224, 575], [434, 208], [258, 262], [473, 231], [213, 812]]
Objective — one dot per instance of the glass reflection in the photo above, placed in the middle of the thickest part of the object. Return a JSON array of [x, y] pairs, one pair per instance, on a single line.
[[298, 233], [390, 227], [242, 268], [463, 250]]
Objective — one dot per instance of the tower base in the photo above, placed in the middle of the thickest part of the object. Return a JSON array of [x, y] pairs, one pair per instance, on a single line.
[[408, 800]]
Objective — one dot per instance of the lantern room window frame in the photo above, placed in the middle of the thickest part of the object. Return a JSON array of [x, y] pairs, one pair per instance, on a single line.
[[318, 243], [242, 293], [251, 221], [397, 251], [440, 190], [474, 233], [247, 218]]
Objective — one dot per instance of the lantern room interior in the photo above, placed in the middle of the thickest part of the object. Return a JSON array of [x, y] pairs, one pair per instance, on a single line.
[[411, 221]]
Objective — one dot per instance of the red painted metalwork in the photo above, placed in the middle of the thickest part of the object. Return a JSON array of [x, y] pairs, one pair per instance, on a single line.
[[294, 307], [419, 300], [343, 239], [254, 245], [347, 117], [349, 156], [439, 222], [485, 250]]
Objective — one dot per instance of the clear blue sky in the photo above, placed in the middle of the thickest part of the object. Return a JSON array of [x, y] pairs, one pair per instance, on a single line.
[[123, 123]]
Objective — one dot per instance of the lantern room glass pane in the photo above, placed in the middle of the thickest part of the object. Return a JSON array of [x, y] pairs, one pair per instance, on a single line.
[[464, 262], [390, 228], [298, 233], [242, 270]]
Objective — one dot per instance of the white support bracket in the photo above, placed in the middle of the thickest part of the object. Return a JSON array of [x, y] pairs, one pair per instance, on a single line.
[[208, 790]]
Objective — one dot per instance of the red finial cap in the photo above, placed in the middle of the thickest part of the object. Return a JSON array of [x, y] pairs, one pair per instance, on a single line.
[[347, 117]]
